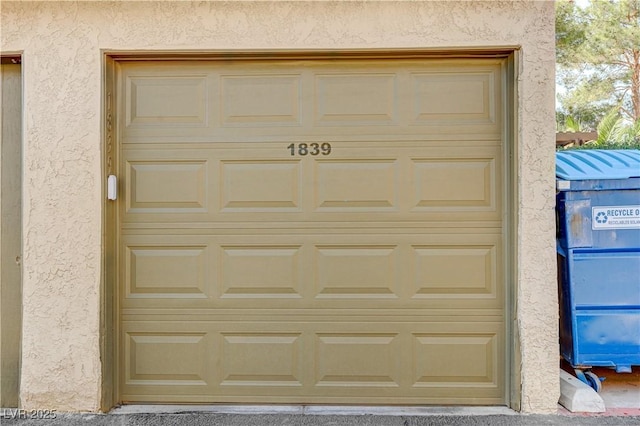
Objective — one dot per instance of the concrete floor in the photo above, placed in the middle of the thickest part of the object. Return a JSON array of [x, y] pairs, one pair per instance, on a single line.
[[620, 392], [206, 418]]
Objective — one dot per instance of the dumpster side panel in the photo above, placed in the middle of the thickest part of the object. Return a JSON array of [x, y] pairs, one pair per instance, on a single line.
[[566, 317], [607, 338], [606, 279], [579, 223], [578, 211], [616, 232]]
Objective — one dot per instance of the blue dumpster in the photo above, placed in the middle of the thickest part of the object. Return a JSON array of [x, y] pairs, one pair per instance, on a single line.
[[598, 244]]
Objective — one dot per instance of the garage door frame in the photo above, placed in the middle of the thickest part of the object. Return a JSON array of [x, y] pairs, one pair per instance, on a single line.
[[109, 302]]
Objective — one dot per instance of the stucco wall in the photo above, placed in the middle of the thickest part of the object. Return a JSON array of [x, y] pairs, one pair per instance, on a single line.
[[61, 44]]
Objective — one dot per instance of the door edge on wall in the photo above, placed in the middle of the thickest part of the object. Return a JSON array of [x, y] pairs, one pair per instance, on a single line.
[[11, 232], [514, 381], [300, 54], [108, 317]]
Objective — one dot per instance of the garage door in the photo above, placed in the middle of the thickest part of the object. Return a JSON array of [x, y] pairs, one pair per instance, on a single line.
[[311, 231]]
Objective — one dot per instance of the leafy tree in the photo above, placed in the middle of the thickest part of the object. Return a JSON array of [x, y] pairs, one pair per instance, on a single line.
[[598, 58]]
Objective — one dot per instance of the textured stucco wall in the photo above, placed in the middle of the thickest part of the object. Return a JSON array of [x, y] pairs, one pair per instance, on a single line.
[[61, 44]]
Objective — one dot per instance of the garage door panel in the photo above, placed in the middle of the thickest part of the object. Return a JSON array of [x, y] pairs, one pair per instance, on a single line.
[[167, 100], [212, 103], [261, 100], [357, 360], [261, 359], [463, 359], [352, 271], [356, 99], [398, 360], [362, 185], [170, 360], [261, 186], [166, 271], [455, 184], [313, 271], [439, 272], [175, 101], [256, 265], [261, 272], [167, 186], [216, 185], [456, 97]]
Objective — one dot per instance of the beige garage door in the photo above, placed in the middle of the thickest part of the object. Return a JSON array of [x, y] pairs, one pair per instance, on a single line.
[[312, 231]]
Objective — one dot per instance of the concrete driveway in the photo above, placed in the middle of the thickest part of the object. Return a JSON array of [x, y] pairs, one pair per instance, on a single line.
[[453, 416]]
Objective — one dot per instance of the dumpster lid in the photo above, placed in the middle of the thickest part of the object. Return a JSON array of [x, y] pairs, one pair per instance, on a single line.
[[591, 164]]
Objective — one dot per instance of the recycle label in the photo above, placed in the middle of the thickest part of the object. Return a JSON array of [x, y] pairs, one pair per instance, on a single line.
[[615, 217]]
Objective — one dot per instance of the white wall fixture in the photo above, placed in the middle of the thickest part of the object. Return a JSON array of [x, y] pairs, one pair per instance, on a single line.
[[112, 187]]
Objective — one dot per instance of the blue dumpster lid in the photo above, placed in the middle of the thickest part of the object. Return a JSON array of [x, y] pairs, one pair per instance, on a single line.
[[592, 164]]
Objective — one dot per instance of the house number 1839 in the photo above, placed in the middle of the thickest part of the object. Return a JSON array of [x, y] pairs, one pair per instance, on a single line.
[[310, 148]]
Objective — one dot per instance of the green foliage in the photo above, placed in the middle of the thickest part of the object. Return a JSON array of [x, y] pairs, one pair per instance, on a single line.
[[598, 59], [572, 124], [631, 145], [608, 127], [568, 123], [614, 132], [570, 31]]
